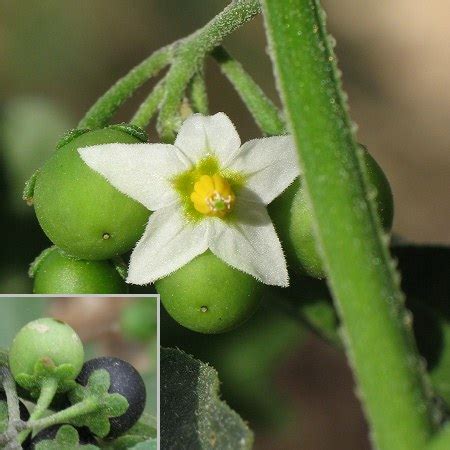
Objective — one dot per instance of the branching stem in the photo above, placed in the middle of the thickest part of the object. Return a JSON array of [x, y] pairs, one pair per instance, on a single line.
[[86, 406], [190, 56], [265, 113], [105, 107]]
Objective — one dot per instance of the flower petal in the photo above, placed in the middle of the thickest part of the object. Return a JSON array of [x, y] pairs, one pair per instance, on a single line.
[[200, 136], [141, 171], [168, 243], [250, 244], [270, 163]]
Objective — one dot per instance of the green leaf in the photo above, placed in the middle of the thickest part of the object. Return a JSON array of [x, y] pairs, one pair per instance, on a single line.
[[67, 438], [45, 368], [109, 405], [192, 414], [143, 431]]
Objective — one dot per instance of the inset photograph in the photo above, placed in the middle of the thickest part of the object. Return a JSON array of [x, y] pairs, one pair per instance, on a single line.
[[78, 373]]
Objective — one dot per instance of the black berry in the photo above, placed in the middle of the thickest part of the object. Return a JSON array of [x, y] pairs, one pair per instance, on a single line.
[[126, 381]]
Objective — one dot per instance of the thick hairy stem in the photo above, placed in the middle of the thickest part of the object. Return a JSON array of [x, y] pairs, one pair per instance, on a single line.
[[190, 56], [265, 113], [365, 287]]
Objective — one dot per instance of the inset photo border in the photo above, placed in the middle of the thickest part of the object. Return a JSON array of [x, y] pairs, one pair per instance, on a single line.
[[79, 371]]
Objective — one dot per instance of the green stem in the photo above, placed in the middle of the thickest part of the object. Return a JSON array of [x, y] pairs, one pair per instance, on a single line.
[[48, 391], [86, 406], [265, 113], [365, 287], [105, 107], [198, 93], [149, 107], [191, 55]]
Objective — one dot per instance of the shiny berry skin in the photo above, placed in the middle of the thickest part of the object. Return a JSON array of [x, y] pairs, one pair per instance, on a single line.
[[58, 273], [292, 217], [126, 381], [79, 210], [209, 296]]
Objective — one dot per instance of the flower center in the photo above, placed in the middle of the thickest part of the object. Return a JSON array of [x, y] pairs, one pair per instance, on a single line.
[[212, 196]]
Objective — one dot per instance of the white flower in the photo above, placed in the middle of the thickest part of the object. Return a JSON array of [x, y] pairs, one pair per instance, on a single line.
[[208, 192]]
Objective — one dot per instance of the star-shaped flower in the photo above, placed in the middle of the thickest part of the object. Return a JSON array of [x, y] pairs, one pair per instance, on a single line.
[[207, 192]]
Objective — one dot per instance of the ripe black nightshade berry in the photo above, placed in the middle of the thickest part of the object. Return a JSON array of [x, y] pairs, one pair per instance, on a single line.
[[84, 435], [126, 381]]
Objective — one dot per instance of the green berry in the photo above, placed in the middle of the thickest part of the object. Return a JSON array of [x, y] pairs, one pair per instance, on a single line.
[[292, 217], [57, 273], [49, 341], [79, 210], [138, 320], [209, 296]]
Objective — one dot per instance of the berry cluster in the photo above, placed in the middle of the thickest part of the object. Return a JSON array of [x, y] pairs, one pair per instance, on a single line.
[[90, 222], [93, 225], [101, 398]]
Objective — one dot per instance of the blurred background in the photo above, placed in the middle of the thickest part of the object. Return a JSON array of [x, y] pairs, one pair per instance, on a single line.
[[106, 326], [58, 57]]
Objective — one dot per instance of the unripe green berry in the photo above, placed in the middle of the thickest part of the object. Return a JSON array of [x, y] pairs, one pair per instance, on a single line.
[[209, 296], [58, 273], [293, 220], [79, 210], [45, 340]]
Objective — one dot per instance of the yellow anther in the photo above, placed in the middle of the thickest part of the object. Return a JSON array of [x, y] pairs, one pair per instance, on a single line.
[[213, 196]]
